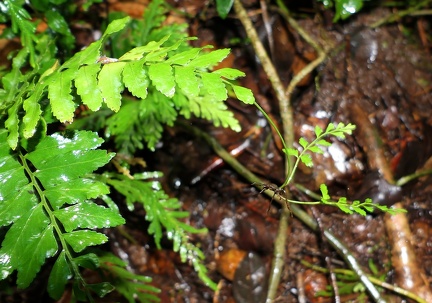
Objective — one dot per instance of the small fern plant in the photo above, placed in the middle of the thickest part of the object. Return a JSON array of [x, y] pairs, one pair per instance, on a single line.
[[303, 155], [339, 130], [53, 204]]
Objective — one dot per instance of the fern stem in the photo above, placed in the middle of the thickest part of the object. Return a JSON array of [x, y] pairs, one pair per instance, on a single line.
[[271, 122], [48, 209], [373, 279], [405, 179]]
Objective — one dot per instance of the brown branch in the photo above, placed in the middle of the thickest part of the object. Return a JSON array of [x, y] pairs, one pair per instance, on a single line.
[[270, 70]]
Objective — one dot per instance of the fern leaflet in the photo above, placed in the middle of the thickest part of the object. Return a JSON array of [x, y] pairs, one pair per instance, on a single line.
[[44, 200]]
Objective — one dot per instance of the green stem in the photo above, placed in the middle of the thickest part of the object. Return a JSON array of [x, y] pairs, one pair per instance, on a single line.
[[400, 14], [53, 220], [270, 121], [405, 179], [374, 280]]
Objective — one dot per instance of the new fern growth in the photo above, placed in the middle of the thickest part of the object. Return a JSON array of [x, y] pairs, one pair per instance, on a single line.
[[315, 146]]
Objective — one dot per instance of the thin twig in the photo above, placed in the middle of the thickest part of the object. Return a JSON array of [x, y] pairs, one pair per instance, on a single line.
[[374, 280], [332, 274], [400, 14], [322, 54], [409, 272], [286, 113], [270, 70], [405, 179], [279, 254]]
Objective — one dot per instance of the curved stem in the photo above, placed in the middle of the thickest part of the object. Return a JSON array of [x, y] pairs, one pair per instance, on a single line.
[[405, 179], [270, 70], [374, 280], [270, 121]]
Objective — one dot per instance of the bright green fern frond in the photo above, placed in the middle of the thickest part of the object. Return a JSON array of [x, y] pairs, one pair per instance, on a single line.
[[56, 82], [44, 200], [166, 77]]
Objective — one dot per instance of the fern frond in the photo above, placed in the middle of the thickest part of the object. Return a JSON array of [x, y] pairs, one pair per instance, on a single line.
[[164, 215], [21, 24], [135, 288], [44, 200]]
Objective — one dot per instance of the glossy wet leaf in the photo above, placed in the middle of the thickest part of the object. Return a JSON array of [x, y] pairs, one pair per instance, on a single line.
[[111, 85], [80, 239], [87, 215], [28, 243], [161, 75], [27, 208], [15, 190], [86, 85], [223, 7], [345, 8], [75, 191], [74, 165], [59, 276], [58, 24]]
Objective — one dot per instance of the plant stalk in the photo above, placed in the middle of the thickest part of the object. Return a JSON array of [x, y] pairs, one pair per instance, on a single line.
[[286, 113]]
